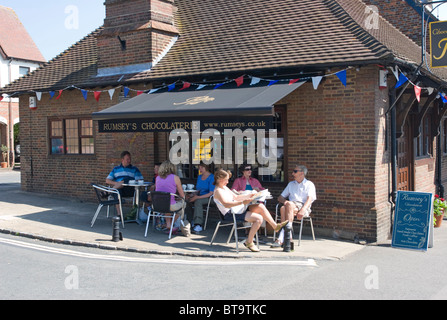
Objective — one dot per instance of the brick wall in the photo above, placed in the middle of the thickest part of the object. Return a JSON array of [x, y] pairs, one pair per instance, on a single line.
[[70, 175], [4, 113], [145, 25], [401, 15], [338, 133]]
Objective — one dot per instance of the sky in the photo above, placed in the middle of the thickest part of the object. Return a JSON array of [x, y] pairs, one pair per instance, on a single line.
[[55, 25]]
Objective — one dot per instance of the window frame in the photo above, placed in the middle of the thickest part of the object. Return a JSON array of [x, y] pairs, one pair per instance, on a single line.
[[80, 136]]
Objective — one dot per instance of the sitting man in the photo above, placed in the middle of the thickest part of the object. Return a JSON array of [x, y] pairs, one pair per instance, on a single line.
[[301, 194], [123, 174]]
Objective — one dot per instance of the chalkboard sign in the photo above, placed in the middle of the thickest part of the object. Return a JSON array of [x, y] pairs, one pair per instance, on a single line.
[[412, 220]]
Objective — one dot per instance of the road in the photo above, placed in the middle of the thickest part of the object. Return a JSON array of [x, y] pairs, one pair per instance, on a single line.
[[52, 271]]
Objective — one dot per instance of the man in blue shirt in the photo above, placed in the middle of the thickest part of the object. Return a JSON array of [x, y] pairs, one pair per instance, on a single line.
[[123, 174]]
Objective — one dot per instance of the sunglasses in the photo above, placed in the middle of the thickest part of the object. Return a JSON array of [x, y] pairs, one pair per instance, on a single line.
[[247, 169], [296, 171]]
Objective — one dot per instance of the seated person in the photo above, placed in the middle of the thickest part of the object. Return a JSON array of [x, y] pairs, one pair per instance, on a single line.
[[123, 174], [167, 181], [226, 199], [301, 194], [205, 190], [246, 182]]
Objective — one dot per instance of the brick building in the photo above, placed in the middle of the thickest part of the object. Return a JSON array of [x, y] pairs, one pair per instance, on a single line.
[[361, 138]]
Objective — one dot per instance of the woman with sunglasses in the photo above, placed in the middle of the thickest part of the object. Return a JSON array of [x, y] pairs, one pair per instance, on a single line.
[[246, 182]]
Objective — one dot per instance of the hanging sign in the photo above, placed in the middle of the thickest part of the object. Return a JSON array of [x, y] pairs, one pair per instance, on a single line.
[[413, 223], [438, 44]]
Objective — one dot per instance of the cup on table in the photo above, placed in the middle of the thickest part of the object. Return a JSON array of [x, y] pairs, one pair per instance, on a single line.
[[184, 186], [190, 187], [140, 182]]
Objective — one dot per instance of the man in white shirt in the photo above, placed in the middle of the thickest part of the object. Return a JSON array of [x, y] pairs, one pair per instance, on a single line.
[[301, 193]]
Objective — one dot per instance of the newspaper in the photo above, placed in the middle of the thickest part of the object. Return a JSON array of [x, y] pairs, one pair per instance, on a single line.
[[260, 197]]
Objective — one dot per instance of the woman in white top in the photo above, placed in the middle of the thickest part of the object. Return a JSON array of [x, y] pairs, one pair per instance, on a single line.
[[255, 214]]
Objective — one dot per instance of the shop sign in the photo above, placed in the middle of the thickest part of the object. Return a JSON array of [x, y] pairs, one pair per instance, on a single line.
[[413, 223], [168, 125], [438, 44]]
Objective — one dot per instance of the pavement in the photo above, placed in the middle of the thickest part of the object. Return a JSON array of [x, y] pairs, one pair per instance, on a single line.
[[67, 221]]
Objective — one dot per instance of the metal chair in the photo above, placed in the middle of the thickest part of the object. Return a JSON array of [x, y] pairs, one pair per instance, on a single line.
[[210, 204], [233, 224], [301, 222], [107, 197], [161, 207]]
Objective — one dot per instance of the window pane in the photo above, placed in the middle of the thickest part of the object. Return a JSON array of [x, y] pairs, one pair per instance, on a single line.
[[57, 146], [56, 128], [86, 127], [72, 136], [87, 146]]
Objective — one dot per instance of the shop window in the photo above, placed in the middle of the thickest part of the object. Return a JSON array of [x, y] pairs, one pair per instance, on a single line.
[[71, 136], [206, 149]]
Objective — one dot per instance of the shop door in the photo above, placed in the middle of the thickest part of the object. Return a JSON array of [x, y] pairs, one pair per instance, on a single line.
[[405, 161]]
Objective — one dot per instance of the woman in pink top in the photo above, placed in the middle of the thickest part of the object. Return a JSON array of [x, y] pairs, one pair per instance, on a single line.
[[167, 181], [246, 182]]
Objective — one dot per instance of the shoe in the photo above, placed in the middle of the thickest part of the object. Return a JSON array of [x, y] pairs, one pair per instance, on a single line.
[[251, 247], [276, 244], [197, 228], [281, 225]]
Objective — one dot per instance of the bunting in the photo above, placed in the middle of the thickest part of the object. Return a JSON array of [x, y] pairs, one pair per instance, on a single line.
[[184, 85]]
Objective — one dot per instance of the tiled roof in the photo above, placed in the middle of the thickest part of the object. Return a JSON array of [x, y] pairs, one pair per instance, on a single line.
[[74, 66], [219, 37], [15, 41]]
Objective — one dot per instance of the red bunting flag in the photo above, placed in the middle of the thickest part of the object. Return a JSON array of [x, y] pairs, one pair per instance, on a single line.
[[139, 92], [97, 95], [417, 91], [239, 81], [293, 81], [60, 94], [1, 97], [186, 85]]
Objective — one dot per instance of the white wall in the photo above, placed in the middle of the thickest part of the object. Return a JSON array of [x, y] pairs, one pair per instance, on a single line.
[[15, 70]]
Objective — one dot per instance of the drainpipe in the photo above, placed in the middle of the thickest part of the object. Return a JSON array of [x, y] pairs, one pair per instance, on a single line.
[[393, 148], [439, 165]]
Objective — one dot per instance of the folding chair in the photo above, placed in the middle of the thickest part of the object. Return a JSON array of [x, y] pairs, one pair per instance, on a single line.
[[161, 207], [233, 224], [309, 218], [106, 197]]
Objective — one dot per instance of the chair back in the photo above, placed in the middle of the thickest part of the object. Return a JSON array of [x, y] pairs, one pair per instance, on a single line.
[[101, 194], [161, 201]]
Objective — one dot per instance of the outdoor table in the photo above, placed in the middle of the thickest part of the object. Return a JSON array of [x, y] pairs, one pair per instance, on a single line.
[[137, 187]]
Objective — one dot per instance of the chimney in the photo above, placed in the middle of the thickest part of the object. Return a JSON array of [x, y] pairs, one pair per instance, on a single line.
[[135, 34]]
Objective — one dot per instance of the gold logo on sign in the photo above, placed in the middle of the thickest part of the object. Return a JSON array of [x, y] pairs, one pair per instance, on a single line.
[[196, 100], [440, 47]]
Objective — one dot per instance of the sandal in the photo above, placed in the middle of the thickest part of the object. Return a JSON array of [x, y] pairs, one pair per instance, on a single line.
[[252, 247], [281, 225]]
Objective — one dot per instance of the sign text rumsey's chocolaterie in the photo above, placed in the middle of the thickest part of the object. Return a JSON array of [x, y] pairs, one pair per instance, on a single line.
[[168, 125]]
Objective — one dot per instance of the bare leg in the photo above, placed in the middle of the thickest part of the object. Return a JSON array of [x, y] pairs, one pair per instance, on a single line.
[[256, 220]]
